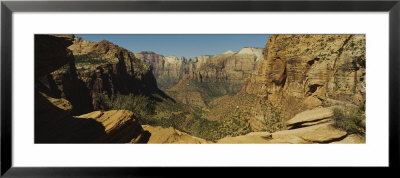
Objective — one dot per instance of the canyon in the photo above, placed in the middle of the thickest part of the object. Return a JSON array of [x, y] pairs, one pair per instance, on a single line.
[[229, 66], [291, 91]]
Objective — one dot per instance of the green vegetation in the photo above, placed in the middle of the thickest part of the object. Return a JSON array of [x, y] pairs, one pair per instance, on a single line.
[[340, 51], [208, 91], [165, 82], [186, 118], [235, 126], [90, 59], [331, 39], [141, 105], [192, 120], [273, 122], [225, 116], [350, 120]]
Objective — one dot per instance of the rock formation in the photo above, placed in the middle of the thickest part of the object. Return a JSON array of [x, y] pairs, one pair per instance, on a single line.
[[120, 126], [318, 66], [298, 73], [168, 70], [312, 126], [100, 69], [225, 67], [171, 135], [289, 92], [54, 122], [222, 74], [232, 67]]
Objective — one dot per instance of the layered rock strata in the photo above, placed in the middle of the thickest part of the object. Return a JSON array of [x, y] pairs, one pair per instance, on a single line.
[[225, 67], [298, 73], [319, 66]]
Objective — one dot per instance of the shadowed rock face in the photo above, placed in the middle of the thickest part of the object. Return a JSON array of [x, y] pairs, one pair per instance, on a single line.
[[53, 120], [55, 125], [44, 61]]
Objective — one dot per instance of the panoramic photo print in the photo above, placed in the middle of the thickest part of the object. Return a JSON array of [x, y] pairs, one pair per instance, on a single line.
[[200, 88]]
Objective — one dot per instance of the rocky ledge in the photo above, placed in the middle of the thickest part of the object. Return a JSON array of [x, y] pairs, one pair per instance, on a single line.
[[311, 126]]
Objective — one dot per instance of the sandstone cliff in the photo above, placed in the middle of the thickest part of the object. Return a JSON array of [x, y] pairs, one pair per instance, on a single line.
[[222, 74], [225, 67], [168, 70], [317, 67], [299, 72], [100, 69], [230, 66], [54, 122]]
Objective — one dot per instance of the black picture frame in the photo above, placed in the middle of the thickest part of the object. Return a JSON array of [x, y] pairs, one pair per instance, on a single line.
[[8, 7]]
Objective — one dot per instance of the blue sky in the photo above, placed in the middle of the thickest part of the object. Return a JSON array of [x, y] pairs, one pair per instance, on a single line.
[[182, 45]]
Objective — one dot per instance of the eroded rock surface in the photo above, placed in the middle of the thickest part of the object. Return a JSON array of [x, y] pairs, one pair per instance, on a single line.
[[253, 137], [322, 66], [99, 70], [54, 122], [120, 126], [310, 116], [302, 72], [170, 135]]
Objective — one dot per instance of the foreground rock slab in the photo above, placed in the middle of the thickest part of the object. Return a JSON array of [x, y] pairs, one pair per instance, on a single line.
[[120, 126], [160, 135], [310, 115], [254, 137], [321, 133], [351, 139]]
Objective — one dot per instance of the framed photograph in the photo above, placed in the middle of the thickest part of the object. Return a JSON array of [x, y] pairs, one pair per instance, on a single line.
[[140, 88]]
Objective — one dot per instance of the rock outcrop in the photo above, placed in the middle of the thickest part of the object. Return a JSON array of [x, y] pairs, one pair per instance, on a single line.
[[120, 126], [312, 126], [171, 135], [253, 137], [54, 122], [58, 47], [319, 66], [310, 116], [298, 73], [100, 69]]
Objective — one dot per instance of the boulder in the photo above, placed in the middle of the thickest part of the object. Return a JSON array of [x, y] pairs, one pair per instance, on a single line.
[[320, 133], [310, 116], [120, 126], [312, 102]]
